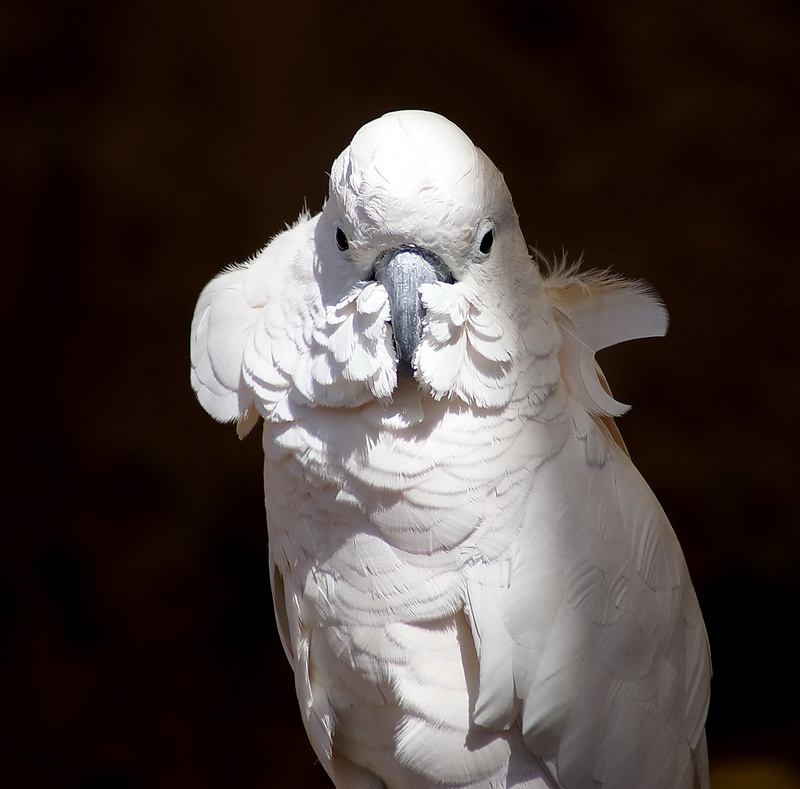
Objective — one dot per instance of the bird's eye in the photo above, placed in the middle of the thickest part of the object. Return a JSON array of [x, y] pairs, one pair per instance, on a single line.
[[486, 242], [341, 240]]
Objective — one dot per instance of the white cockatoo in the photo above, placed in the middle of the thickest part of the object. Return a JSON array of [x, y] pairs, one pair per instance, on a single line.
[[473, 584]]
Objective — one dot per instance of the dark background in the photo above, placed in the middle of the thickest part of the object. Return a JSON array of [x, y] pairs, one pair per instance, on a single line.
[[146, 145]]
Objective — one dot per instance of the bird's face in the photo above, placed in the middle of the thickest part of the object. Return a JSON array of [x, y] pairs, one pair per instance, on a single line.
[[413, 202]]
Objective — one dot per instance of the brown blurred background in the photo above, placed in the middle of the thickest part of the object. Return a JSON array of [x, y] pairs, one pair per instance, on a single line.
[[145, 145]]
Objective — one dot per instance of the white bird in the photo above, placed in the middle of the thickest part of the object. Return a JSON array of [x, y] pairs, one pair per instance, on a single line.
[[473, 584]]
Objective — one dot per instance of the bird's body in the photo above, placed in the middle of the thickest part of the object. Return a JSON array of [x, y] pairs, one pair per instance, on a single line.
[[474, 586]]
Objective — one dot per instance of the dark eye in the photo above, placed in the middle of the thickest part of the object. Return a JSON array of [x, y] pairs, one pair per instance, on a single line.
[[486, 242], [341, 240]]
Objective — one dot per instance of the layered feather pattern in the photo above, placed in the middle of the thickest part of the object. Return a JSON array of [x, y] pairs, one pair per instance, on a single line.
[[474, 586]]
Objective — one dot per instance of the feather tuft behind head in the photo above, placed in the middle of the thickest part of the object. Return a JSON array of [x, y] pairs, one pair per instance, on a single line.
[[595, 310]]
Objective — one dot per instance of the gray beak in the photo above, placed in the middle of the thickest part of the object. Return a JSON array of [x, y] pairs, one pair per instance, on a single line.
[[401, 271]]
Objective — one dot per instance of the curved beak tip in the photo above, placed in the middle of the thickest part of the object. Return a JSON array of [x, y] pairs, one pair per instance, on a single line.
[[402, 271]]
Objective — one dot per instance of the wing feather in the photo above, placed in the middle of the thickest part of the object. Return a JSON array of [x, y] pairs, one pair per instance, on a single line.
[[610, 659]]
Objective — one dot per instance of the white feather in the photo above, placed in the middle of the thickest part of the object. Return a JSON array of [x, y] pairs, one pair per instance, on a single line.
[[472, 583]]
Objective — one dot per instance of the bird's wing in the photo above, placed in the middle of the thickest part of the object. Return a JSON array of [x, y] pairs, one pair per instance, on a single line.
[[589, 631]]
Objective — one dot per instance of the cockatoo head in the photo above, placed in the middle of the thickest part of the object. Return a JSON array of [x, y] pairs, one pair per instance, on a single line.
[[412, 202]]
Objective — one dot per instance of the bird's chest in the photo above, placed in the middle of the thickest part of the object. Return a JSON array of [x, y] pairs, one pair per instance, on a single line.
[[382, 507]]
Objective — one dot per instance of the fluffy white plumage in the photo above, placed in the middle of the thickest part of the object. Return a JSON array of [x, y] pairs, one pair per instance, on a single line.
[[473, 584]]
